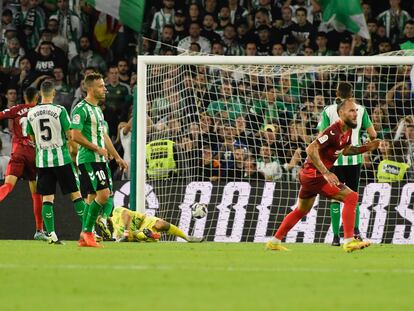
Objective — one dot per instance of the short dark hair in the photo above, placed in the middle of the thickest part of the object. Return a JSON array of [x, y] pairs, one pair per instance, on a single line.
[[88, 80], [344, 90], [47, 87], [301, 9], [30, 94]]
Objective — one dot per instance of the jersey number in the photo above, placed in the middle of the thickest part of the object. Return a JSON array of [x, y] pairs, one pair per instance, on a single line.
[[101, 175], [44, 127]]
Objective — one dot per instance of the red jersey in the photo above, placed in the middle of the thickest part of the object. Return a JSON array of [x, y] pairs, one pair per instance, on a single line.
[[18, 114], [331, 143]]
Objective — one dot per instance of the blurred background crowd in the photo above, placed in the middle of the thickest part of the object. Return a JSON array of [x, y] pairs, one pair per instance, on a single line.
[[242, 122]]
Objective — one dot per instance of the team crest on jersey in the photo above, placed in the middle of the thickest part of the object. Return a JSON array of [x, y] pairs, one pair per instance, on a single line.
[[76, 119]]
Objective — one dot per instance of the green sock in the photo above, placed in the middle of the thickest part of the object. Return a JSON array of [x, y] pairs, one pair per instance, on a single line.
[[107, 208], [356, 226], [335, 217], [85, 214], [48, 217], [79, 205], [94, 210]]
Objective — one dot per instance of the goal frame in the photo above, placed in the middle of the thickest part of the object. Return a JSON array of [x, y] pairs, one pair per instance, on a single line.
[[138, 158]]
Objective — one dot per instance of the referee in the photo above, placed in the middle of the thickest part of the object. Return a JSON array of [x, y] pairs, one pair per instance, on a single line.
[[346, 168]]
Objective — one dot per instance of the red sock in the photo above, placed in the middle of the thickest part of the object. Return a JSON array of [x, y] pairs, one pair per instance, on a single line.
[[348, 214], [5, 189], [37, 210], [290, 220]]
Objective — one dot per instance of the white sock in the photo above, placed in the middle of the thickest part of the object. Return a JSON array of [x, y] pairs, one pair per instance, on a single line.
[[104, 221], [275, 241], [348, 240]]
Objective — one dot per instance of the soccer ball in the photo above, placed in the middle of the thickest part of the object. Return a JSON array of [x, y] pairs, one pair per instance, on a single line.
[[199, 210]]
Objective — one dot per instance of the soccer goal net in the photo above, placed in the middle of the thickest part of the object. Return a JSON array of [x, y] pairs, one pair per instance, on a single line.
[[231, 132]]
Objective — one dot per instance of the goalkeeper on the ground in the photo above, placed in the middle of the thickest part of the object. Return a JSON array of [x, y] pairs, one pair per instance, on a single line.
[[130, 226]]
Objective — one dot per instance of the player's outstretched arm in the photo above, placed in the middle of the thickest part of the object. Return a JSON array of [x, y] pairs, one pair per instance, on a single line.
[[112, 151], [353, 150]]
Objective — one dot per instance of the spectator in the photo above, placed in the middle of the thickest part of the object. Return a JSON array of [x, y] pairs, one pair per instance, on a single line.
[[70, 26], [322, 41], [250, 170], [238, 14], [64, 93], [394, 20], [30, 22], [166, 40], [268, 165], [251, 49], [278, 49], [118, 100], [86, 58], [359, 47], [242, 33], [217, 48], [223, 20], [380, 122], [225, 152], [312, 8], [209, 169], [344, 48], [208, 32], [264, 46], [303, 31], [194, 36], [231, 46], [408, 33], [44, 60], [398, 101], [384, 46], [262, 17], [123, 70], [210, 7], [24, 77], [9, 61], [193, 14], [162, 17], [57, 39], [180, 31], [227, 107], [292, 47]]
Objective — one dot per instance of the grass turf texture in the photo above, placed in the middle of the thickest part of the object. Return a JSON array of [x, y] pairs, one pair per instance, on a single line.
[[209, 276]]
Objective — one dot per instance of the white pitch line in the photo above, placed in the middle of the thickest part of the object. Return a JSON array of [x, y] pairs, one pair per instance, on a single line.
[[5, 266]]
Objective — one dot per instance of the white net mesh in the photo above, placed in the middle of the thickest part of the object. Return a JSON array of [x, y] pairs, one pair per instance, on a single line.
[[239, 135]]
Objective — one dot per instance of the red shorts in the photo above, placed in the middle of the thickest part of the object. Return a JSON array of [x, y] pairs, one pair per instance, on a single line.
[[22, 163], [312, 183]]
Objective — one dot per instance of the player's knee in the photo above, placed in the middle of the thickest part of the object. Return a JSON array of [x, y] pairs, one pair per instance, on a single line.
[[102, 196], [351, 198]]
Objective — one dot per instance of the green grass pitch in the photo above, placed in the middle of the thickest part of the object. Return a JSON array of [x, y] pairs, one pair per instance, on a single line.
[[208, 276]]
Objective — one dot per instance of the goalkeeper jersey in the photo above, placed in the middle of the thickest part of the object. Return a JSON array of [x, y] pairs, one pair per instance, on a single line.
[[49, 123], [330, 116], [90, 121]]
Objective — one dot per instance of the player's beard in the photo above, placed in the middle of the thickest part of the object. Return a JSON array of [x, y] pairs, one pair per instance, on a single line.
[[351, 124]]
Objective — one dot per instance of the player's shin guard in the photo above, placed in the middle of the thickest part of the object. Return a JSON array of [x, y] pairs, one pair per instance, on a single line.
[[37, 211], [348, 214], [94, 210], [79, 205], [290, 220], [174, 230], [5, 189], [335, 208], [107, 208], [48, 216]]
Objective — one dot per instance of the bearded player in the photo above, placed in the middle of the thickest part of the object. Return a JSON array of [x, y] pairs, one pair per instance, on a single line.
[[315, 177], [23, 157]]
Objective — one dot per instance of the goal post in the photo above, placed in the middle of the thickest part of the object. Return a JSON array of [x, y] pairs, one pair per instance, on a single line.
[[172, 88]]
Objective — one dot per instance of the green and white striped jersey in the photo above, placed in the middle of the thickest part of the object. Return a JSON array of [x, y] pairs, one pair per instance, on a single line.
[[90, 121], [330, 116], [49, 123]]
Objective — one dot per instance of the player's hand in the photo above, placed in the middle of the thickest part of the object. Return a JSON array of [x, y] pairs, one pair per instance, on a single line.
[[331, 178], [373, 145], [121, 163], [103, 152]]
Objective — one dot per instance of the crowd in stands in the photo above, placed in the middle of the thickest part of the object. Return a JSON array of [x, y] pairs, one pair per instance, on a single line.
[[254, 127]]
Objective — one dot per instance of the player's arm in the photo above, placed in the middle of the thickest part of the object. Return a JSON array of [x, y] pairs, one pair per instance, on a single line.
[[78, 138], [112, 151], [9, 113], [313, 153], [353, 150]]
